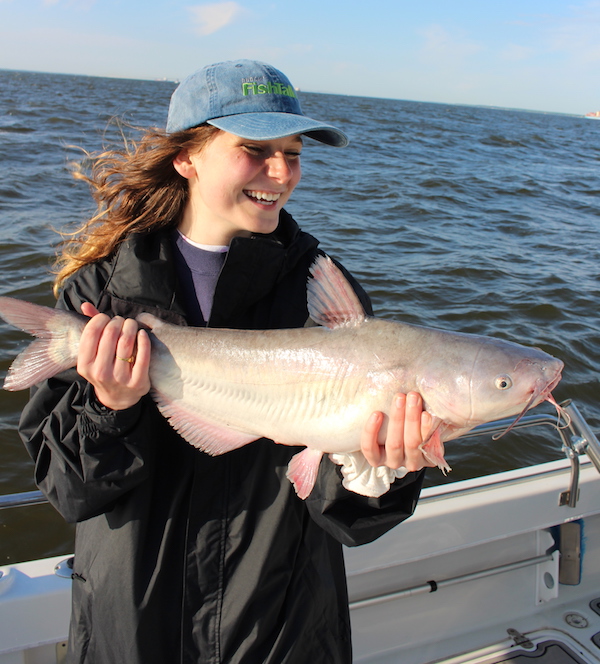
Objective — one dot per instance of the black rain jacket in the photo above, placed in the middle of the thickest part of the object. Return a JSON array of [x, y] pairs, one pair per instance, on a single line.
[[181, 557]]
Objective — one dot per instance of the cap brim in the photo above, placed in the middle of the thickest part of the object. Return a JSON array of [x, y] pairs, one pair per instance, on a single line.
[[266, 126]]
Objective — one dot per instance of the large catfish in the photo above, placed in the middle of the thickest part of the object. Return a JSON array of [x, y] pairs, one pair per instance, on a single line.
[[314, 386]]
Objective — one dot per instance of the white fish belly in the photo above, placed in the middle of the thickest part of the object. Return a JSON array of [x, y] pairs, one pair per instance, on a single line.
[[295, 394], [322, 414]]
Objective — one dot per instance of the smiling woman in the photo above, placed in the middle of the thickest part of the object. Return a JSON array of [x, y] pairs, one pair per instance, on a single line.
[[237, 187], [191, 227]]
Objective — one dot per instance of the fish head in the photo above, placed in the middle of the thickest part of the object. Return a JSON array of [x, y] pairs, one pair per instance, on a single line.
[[486, 379]]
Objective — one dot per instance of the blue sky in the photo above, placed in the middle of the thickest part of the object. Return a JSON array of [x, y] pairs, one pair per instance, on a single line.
[[532, 54]]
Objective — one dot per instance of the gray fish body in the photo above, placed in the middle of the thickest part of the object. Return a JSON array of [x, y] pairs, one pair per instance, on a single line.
[[314, 386], [318, 386], [310, 386]]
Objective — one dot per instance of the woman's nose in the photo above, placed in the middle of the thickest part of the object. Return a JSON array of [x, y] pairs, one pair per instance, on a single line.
[[278, 167]]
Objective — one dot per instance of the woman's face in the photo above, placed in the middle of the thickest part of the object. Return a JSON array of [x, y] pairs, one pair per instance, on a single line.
[[238, 186]]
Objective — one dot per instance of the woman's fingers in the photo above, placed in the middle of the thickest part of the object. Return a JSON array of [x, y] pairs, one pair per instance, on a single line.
[[125, 349], [114, 356], [141, 362], [400, 412], [413, 433], [88, 309], [369, 443], [90, 339], [407, 427]]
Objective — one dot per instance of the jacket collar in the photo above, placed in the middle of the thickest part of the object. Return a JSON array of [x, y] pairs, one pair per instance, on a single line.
[[143, 271]]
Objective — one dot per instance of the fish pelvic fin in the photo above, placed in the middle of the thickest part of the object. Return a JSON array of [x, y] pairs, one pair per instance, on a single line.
[[433, 451], [332, 301], [303, 470], [214, 439], [56, 349]]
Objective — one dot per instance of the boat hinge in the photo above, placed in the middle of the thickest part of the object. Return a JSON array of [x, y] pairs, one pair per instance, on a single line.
[[519, 639]]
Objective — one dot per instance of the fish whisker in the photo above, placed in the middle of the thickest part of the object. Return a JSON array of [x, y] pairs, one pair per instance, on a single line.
[[561, 415], [528, 405]]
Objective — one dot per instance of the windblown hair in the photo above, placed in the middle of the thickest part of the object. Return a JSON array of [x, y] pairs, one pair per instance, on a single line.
[[136, 189]]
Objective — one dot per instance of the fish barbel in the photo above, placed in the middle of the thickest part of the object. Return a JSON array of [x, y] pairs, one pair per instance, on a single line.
[[312, 386]]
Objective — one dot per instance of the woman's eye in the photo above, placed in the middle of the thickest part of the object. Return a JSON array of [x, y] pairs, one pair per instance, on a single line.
[[253, 149], [263, 153]]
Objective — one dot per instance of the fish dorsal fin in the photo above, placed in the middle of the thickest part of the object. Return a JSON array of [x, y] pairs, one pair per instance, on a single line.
[[332, 302]]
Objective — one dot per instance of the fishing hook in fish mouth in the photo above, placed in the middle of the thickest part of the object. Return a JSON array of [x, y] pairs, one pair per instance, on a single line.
[[562, 414]]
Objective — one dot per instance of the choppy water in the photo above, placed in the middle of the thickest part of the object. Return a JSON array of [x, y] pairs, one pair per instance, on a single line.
[[473, 219]]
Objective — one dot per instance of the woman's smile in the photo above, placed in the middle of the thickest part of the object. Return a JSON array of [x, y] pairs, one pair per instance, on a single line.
[[263, 197], [238, 186]]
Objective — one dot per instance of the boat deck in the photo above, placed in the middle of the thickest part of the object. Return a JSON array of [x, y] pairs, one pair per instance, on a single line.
[[485, 574], [496, 569]]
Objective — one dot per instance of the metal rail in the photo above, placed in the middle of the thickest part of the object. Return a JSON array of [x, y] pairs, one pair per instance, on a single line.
[[583, 439], [575, 433], [22, 499], [527, 421], [434, 586]]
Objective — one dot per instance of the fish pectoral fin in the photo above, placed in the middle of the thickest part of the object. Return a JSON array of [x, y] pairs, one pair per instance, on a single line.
[[302, 471], [433, 451], [214, 439]]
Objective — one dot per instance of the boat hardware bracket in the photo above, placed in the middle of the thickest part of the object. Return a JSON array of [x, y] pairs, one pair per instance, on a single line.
[[570, 547], [519, 639], [582, 441], [61, 652], [575, 433], [64, 568], [570, 497], [583, 438]]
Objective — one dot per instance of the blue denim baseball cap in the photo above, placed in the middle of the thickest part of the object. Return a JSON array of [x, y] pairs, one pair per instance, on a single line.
[[246, 98]]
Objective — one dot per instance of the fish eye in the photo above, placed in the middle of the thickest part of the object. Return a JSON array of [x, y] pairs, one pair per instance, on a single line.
[[503, 382]]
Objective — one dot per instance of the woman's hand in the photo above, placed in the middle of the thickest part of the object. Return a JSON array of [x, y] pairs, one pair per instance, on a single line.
[[407, 428], [114, 356]]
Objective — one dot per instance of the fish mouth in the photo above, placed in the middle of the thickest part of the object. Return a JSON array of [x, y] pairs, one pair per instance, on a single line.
[[544, 393], [547, 391]]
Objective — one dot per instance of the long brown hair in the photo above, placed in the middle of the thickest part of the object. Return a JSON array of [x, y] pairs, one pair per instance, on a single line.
[[136, 189]]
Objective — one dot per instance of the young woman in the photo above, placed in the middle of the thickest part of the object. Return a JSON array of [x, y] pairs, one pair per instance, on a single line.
[[180, 556]]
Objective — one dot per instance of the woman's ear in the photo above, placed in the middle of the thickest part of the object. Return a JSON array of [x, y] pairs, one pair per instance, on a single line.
[[183, 165]]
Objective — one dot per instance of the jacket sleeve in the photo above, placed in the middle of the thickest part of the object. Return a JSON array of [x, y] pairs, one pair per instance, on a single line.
[[353, 519], [86, 456]]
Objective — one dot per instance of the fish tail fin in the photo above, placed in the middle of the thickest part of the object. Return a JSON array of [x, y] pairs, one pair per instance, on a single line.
[[56, 349], [433, 451], [302, 471]]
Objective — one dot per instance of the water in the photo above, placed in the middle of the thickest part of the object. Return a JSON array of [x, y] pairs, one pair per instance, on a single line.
[[474, 219]]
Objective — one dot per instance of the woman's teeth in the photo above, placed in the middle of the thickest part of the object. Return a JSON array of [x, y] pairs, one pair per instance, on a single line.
[[263, 197]]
